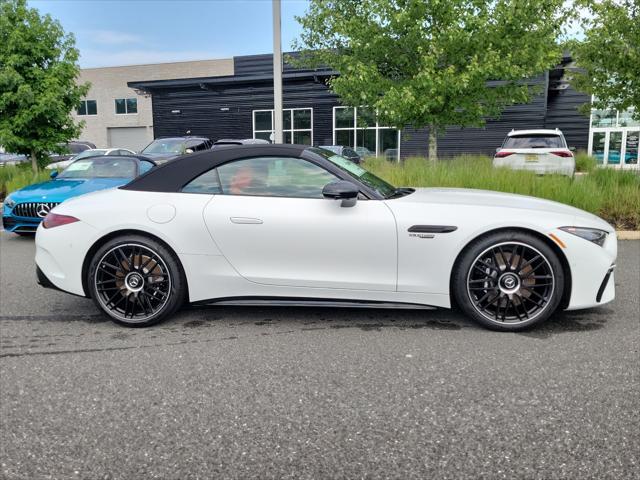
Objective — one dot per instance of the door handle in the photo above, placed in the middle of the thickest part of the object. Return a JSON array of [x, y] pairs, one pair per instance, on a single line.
[[246, 220]]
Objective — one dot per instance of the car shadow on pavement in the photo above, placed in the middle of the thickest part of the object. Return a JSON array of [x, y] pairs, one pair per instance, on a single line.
[[318, 318], [571, 321]]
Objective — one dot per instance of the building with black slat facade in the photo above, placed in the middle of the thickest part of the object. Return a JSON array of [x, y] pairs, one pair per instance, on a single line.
[[240, 106]]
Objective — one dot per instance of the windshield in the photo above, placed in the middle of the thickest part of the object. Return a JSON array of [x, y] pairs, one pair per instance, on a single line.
[[333, 148], [369, 179], [534, 141], [165, 146], [100, 167]]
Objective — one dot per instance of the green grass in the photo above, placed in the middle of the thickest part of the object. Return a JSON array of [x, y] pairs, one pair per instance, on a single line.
[[13, 178], [611, 194]]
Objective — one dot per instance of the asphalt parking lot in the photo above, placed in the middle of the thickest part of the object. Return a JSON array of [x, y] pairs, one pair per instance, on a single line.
[[226, 392]]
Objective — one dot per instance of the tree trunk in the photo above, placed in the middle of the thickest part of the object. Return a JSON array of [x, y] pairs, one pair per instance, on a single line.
[[433, 143], [34, 162]]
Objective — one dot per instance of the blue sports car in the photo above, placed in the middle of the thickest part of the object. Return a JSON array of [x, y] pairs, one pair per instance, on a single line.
[[24, 209]]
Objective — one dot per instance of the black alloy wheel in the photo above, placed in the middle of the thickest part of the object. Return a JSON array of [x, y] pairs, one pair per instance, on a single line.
[[136, 281], [509, 282]]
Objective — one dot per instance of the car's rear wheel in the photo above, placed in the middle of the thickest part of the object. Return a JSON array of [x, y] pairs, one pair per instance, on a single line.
[[508, 281], [136, 280]]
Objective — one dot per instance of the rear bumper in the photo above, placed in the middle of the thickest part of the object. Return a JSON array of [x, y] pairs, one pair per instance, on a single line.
[[60, 255], [563, 166]]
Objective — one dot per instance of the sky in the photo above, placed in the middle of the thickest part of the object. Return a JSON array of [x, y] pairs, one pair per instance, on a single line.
[[130, 32]]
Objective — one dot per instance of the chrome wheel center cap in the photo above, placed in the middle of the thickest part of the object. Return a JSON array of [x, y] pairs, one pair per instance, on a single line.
[[134, 281], [509, 283]]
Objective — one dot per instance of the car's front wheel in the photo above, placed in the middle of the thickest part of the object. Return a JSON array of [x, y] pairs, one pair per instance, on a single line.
[[508, 281], [136, 280]]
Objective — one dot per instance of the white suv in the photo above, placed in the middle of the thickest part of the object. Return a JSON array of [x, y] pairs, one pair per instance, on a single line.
[[542, 151]]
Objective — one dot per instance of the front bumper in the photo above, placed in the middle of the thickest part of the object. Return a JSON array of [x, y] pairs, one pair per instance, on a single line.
[[592, 270], [12, 223]]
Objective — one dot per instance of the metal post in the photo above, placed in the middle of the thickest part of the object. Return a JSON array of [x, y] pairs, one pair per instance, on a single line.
[[277, 74]]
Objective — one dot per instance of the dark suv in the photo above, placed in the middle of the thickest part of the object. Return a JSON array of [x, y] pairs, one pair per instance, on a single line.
[[162, 150]]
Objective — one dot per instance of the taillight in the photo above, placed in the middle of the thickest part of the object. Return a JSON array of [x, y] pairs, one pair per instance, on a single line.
[[56, 220], [562, 153], [503, 154]]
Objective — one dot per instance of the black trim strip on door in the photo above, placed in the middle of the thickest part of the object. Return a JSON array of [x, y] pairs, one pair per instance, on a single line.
[[432, 229]]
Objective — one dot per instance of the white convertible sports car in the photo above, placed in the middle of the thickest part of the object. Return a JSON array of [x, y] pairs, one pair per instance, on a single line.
[[289, 224]]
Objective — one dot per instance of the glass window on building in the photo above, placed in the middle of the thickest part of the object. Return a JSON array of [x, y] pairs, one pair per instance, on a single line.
[[126, 106], [613, 138], [88, 107], [359, 129], [297, 125]]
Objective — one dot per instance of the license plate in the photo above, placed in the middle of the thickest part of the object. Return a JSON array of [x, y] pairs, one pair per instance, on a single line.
[[531, 158]]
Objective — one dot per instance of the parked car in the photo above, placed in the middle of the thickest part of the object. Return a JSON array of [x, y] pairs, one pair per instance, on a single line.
[[164, 149], [92, 152], [364, 152], [74, 148], [9, 159], [346, 152], [293, 224], [244, 141], [541, 151], [24, 209], [87, 143]]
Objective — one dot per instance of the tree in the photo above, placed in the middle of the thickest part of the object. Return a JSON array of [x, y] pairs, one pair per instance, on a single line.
[[38, 90], [427, 63], [609, 54]]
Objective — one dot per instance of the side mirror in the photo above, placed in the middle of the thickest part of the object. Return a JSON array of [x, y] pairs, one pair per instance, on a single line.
[[572, 149], [497, 149], [342, 190], [188, 150], [53, 174]]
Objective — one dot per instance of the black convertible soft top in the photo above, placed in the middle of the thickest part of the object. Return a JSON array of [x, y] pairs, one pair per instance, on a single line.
[[175, 174]]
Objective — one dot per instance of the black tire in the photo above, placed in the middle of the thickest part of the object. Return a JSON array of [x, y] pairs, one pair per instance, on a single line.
[[26, 234], [136, 280], [508, 281]]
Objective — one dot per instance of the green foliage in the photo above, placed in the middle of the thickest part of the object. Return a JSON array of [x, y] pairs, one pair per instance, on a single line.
[[427, 62], [612, 194], [38, 91], [585, 162], [13, 178], [610, 54]]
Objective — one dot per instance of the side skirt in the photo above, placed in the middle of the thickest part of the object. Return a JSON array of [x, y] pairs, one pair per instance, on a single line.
[[310, 302]]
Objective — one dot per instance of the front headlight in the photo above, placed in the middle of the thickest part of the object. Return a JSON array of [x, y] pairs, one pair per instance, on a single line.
[[594, 235], [9, 202]]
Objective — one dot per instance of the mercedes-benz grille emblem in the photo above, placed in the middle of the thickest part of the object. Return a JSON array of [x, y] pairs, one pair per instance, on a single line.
[[43, 209]]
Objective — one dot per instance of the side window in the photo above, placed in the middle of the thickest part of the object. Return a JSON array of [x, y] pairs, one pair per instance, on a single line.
[[195, 145], [208, 183], [145, 166], [275, 177], [349, 153]]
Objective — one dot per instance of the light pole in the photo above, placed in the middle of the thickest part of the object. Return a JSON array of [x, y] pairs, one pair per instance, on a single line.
[[277, 74]]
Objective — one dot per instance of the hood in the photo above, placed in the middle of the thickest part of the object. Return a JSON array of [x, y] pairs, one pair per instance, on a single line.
[[487, 198], [60, 190]]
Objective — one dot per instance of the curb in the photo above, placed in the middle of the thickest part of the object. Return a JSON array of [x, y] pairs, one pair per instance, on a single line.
[[628, 234]]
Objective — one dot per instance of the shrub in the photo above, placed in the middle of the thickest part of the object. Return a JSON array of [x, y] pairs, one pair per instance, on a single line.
[[15, 177], [585, 162]]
